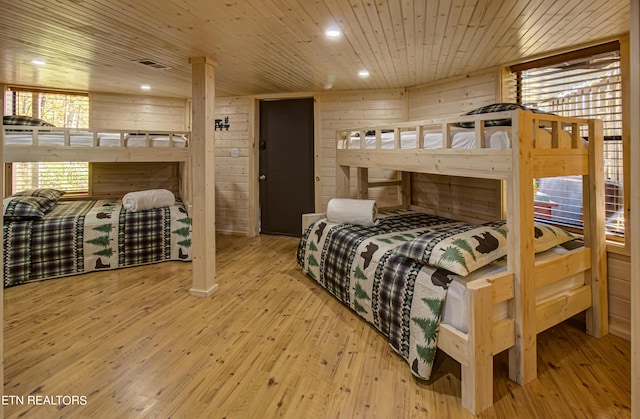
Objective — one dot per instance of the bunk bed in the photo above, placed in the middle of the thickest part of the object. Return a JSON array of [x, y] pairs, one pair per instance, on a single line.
[[50, 236], [45, 143], [528, 145], [46, 238]]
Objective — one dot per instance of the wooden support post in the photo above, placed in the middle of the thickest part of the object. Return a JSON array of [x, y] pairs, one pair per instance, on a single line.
[[405, 189], [184, 187], [7, 184], [343, 181], [363, 183], [522, 357], [203, 214], [594, 233], [477, 372]]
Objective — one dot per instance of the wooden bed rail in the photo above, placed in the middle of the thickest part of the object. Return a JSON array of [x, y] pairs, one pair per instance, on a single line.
[[67, 134], [575, 261], [52, 144], [553, 132], [475, 350]]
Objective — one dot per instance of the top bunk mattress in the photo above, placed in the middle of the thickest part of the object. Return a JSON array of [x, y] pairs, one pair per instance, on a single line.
[[45, 139], [494, 138]]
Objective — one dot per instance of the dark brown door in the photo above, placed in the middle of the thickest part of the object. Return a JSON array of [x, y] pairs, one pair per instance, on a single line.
[[285, 165]]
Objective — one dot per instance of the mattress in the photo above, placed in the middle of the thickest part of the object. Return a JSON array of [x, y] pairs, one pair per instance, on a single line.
[[361, 267], [86, 140], [76, 237], [155, 141], [455, 310], [57, 139], [495, 138], [464, 139], [400, 297]]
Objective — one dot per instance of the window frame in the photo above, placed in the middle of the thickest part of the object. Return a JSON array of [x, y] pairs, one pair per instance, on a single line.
[[509, 92], [10, 109]]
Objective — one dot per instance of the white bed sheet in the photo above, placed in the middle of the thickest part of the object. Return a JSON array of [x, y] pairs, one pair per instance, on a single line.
[[57, 139], [455, 311], [495, 138], [156, 141], [86, 140], [464, 139]]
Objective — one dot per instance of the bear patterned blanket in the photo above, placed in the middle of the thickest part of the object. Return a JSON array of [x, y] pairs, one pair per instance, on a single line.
[[81, 236], [399, 296]]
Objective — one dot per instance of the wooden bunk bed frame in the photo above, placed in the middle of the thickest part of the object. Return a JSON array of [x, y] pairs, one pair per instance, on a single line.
[[529, 157], [24, 143], [92, 151]]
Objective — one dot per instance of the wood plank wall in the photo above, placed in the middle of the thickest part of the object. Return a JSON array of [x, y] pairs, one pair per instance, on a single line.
[[462, 198], [452, 97], [466, 199], [334, 109], [113, 111], [619, 268], [232, 173], [135, 113], [113, 180], [355, 109]]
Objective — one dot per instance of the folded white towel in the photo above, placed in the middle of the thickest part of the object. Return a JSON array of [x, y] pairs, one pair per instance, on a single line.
[[151, 198], [352, 211]]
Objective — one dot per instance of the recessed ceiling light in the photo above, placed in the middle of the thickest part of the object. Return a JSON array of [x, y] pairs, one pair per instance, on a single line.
[[145, 87], [38, 62], [332, 33], [363, 73]]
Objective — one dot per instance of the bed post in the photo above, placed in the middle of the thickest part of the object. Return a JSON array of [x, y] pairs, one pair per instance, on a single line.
[[594, 233], [522, 356], [202, 165], [7, 170], [343, 181], [363, 183], [477, 372], [405, 189], [184, 188]]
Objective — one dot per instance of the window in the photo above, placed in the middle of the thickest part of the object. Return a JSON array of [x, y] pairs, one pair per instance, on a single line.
[[71, 177], [61, 110], [583, 84]]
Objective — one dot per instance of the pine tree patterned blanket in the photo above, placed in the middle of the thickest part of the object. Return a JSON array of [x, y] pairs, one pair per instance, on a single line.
[[399, 295], [82, 236]]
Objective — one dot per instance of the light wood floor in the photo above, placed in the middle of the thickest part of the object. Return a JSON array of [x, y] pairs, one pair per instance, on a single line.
[[269, 343]]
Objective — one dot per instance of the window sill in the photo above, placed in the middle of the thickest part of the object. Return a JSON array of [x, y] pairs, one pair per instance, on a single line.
[[617, 248]]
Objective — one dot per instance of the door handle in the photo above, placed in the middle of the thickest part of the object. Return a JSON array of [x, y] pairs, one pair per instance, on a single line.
[[262, 177]]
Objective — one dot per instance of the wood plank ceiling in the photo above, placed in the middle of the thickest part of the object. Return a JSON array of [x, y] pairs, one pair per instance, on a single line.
[[275, 46]]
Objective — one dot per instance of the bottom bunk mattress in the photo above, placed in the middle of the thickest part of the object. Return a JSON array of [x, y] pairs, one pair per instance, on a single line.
[[456, 312], [408, 272], [400, 297], [76, 237]]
